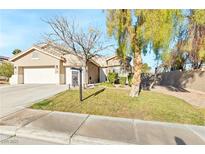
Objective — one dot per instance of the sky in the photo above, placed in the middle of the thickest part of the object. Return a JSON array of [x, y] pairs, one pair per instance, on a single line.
[[20, 29]]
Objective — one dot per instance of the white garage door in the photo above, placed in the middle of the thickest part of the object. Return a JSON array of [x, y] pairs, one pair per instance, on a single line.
[[39, 75]]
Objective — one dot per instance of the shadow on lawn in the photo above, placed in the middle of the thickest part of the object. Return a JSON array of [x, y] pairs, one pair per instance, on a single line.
[[94, 94]]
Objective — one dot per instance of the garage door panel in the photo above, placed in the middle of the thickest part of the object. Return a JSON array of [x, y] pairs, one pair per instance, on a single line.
[[39, 75]]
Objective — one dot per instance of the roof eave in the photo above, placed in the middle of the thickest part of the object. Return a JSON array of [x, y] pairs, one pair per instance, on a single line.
[[38, 49]]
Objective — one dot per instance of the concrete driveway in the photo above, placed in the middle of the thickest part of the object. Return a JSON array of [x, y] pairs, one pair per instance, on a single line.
[[17, 97]]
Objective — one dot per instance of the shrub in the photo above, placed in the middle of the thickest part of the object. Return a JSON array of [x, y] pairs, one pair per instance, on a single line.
[[130, 76], [123, 80], [6, 69], [112, 77]]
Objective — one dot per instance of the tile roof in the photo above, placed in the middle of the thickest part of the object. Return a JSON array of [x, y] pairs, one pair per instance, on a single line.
[[4, 58], [60, 51]]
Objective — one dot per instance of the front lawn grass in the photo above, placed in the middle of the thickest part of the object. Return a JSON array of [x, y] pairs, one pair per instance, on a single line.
[[106, 84], [117, 103]]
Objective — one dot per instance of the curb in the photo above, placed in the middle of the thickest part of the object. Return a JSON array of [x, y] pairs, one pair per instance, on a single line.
[[75, 138]]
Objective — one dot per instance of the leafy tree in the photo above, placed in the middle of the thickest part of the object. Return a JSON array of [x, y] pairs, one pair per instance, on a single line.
[[195, 43], [140, 31], [166, 60], [145, 68], [16, 51], [189, 42], [6, 69], [174, 60]]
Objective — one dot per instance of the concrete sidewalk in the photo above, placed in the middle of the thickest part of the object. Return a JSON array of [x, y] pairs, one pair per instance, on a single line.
[[45, 127]]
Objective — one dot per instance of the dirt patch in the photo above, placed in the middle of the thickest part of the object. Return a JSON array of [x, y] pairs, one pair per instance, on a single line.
[[193, 97]]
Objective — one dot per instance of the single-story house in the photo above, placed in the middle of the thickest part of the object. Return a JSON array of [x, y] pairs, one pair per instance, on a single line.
[[3, 58], [48, 64], [116, 64]]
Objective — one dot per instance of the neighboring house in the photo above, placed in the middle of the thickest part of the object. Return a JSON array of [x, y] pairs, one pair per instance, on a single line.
[[116, 64], [3, 58], [47, 64]]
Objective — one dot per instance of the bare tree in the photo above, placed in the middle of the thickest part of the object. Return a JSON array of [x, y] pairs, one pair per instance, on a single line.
[[86, 44]]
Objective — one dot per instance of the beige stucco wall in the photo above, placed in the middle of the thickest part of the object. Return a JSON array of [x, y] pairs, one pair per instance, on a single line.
[[44, 60], [114, 61], [20, 75], [62, 73], [190, 79], [116, 69], [93, 72]]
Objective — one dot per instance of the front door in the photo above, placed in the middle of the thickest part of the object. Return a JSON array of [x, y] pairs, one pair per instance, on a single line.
[[75, 78]]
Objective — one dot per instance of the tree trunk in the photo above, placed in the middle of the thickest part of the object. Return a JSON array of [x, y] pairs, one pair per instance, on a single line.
[[200, 64], [137, 75], [155, 79], [86, 75]]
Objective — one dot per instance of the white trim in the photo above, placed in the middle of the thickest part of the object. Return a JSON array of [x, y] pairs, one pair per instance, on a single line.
[[73, 70], [68, 75], [13, 79]]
